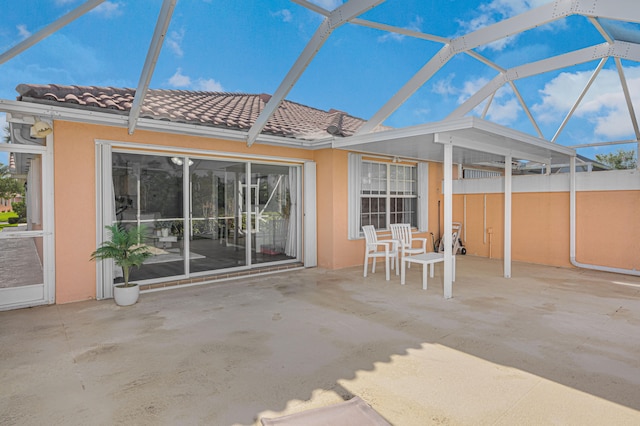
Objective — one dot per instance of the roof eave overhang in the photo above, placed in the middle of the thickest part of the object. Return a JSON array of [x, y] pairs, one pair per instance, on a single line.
[[496, 140], [54, 112]]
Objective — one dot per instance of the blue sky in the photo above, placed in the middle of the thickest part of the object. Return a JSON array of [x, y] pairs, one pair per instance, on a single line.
[[248, 46]]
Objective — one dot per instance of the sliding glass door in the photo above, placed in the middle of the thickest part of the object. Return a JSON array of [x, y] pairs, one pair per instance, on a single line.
[[148, 191], [204, 215], [217, 222]]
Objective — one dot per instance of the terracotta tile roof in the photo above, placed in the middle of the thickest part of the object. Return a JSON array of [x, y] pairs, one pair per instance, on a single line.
[[218, 109]]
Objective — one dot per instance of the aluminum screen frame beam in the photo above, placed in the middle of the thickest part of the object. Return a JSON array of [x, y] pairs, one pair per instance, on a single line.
[[336, 18], [544, 14], [49, 29], [621, 49], [164, 18], [517, 24]]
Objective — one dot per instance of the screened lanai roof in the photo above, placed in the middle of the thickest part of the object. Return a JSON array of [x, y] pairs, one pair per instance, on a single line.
[[607, 39]]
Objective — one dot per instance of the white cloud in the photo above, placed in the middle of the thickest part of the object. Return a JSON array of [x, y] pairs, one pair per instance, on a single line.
[[504, 108], [208, 85], [504, 111], [205, 84], [604, 105], [109, 9], [470, 87], [180, 80], [22, 30], [445, 86], [415, 25], [174, 42], [284, 14]]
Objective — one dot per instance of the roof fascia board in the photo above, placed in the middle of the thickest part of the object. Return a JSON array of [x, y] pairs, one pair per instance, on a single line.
[[164, 18], [226, 134], [49, 29], [461, 142], [406, 132], [55, 112], [338, 17], [517, 135], [451, 126], [76, 115]]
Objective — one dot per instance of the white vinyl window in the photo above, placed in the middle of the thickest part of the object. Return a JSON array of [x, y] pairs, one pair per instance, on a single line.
[[383, 193]]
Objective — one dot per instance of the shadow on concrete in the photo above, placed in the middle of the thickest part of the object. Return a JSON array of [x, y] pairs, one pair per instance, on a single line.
[[550, 341]]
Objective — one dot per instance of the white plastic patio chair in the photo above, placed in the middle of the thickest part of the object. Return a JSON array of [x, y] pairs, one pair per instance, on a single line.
[[402, 233], [375, 248]]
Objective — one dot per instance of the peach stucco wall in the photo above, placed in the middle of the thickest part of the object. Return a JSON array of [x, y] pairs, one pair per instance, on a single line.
[[335, 250], [606, 230], [609, 234], [75, 194]]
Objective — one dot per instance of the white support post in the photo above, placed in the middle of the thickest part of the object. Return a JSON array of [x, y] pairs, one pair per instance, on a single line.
[[507, 216], [572, 209], [448, 220]]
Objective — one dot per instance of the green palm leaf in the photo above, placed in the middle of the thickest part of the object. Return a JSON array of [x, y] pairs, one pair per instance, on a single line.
[[124, 247]]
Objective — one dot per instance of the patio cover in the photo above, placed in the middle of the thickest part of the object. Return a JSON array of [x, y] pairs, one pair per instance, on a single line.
[[465, 141]]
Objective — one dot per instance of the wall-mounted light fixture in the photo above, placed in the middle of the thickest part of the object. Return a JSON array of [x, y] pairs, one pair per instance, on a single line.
[[178, 161], [41, 129]]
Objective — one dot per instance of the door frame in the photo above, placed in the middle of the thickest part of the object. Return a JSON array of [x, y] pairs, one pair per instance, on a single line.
[[44, 293], [103, 151]]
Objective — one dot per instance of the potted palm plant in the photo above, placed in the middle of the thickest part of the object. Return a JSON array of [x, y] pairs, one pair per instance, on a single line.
[[126, 250]]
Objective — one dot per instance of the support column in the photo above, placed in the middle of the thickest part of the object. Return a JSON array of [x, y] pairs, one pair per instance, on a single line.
[[507, 216], [572, 209], [448, 219]]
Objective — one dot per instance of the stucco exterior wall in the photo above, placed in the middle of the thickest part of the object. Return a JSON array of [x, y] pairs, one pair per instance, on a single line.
[[75, 193], [608, 228], [607, 231]]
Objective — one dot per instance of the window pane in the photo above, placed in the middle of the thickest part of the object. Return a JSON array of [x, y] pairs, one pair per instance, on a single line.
[[402, 202], [272, 222], [148, 192]]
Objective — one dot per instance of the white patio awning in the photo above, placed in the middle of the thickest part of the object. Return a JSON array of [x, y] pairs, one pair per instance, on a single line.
[[464, 141], [475, 141]]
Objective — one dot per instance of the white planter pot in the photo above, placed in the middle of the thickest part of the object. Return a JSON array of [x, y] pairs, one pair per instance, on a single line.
[[126, 296]]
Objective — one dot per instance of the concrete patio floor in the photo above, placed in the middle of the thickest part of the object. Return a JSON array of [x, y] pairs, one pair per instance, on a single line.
[[548, 346]]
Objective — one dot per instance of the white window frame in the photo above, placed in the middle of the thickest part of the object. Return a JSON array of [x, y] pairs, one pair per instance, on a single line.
[[355, 161]]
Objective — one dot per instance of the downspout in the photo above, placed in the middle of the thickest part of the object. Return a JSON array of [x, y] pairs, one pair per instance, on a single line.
[[572, 230]]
